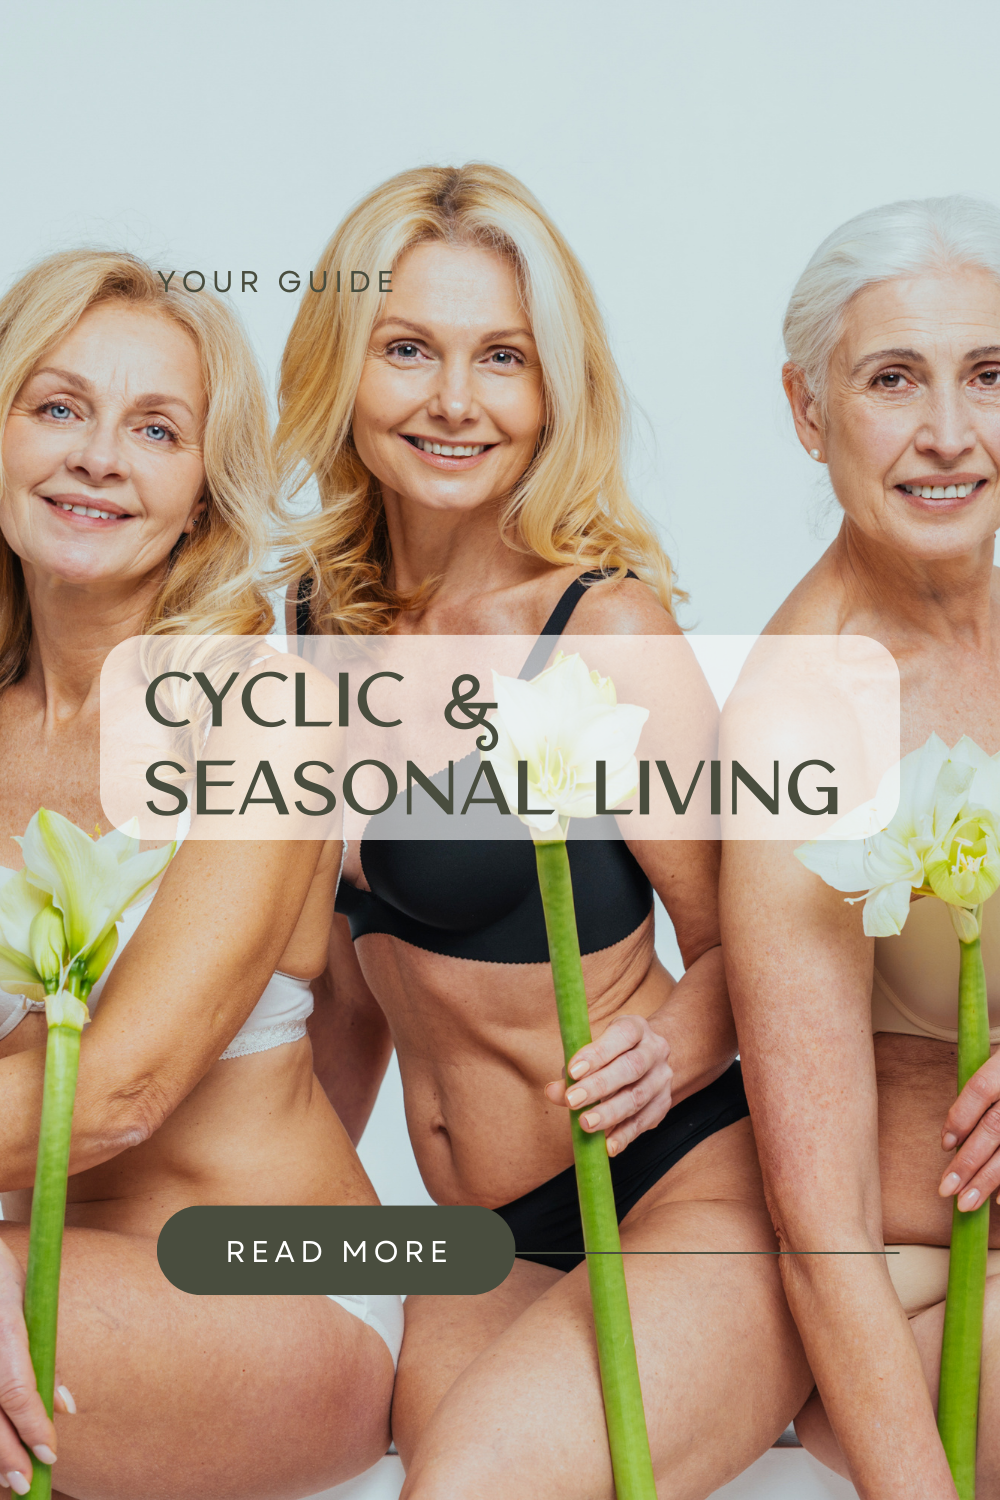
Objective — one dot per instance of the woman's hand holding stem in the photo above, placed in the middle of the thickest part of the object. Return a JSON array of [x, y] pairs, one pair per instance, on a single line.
[[973, 1123], [24, 1422], [630, 1071], [627, 1072]]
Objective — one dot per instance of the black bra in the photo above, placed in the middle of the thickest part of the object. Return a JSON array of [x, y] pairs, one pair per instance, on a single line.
[[479, 899]]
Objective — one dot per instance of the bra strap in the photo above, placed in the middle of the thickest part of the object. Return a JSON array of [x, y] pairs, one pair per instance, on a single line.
[[302, 613], [559, 619], [554, 625]]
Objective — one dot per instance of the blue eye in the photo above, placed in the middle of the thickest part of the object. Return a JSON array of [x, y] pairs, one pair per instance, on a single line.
[[506, 359], [156, 432], [59, 411]]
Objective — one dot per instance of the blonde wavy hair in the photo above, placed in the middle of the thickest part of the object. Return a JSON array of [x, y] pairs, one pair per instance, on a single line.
[[571, 506], [212, 581]]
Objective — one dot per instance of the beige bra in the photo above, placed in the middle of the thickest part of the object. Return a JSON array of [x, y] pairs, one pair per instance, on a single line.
[[915, 986]]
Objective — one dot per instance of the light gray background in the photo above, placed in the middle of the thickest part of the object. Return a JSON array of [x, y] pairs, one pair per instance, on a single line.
[[693, 154]]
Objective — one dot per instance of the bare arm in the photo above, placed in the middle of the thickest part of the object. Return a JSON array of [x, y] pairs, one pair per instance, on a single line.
[[189, 978], [697, 1019], [349, 1034], [627, 1068], [800, 973], [348, 1031], [625, 1072]]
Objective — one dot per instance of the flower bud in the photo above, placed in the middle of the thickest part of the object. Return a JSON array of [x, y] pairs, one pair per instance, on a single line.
[[967, 924], [47, 944], [96, 961]]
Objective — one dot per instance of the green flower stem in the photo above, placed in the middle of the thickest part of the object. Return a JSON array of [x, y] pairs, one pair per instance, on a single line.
[[48, 1212], [627, 1437], [961, 1349]]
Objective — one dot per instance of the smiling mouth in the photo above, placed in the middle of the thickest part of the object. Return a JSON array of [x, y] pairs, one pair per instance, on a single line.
[[447, 450], [940, 491], [93, 511]]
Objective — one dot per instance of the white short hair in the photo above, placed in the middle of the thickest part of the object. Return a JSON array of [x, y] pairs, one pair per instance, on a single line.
[[897, 239]]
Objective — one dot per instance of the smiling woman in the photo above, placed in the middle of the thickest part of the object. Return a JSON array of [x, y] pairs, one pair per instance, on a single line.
[[136, 498], [949, 373], [453, 239], [147, 442], [87, 298], [467, 434], [402, 378], [848, 1042]]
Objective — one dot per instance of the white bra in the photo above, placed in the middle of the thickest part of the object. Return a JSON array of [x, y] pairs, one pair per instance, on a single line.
[[278, 1017]]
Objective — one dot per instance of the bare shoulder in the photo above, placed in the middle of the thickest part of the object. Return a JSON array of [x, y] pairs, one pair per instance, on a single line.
[[816, 605], [626, 608]]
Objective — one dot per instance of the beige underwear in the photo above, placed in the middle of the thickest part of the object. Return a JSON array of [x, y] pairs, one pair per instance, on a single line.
[[919, 1274], [915, 984]]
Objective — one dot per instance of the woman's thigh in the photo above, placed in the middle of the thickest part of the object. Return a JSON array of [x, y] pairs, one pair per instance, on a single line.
[[721, 1366], [816, 1434], [445, 1334], [215, 1398]]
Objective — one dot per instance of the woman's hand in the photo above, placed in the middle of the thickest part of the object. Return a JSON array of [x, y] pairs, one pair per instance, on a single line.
[[626, 1074], [973, 1122], [21, 1411]]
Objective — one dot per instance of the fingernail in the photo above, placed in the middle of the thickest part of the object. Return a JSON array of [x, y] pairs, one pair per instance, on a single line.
[[44, 1454], [612, 1148], [579, 1068], [949, 1141], [17, 1482], [949, 1184], [969, 1199], [575, 1097], [68, 1401], [3, 1482], [592, 1120]]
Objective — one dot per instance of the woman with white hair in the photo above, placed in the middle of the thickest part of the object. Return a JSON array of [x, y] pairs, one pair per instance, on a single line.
[[848, 1042], [466, 432]]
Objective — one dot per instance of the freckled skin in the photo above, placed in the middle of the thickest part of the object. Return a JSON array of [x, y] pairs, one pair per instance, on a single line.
[[478, 1042], [913, 396], [167, 1387]]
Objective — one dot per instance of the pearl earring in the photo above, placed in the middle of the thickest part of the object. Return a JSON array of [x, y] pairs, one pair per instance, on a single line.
[[814, 453]]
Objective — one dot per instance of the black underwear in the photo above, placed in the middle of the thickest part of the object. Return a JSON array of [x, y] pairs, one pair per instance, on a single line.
[[546, 1221], [479, 898]]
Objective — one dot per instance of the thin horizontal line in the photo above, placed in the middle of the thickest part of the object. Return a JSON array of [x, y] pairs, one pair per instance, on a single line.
[[706, 1252]]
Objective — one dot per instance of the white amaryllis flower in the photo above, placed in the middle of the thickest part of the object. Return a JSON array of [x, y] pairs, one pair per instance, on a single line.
[[562, 723], [944, 841], [90, 881], [20, 904]]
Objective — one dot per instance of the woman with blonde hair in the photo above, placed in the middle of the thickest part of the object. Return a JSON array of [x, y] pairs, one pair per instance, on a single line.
[[465, 431], [137, 498]]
